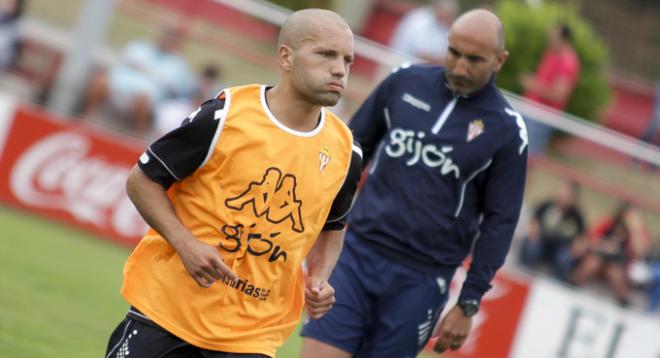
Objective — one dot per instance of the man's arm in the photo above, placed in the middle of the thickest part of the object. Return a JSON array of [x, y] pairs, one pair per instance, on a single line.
[[534, 229], [321, 260], [502, 199], [168, 160], [201, 260], [561, 87], [323, 255], [639, 235], [370, 123], [559, 91], [503, 193]]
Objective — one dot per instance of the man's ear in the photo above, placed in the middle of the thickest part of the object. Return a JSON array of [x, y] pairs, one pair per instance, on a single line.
[[286, 57], [501, 58]]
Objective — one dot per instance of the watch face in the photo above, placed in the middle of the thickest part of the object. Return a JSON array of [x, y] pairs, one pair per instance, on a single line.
[[469, 308]]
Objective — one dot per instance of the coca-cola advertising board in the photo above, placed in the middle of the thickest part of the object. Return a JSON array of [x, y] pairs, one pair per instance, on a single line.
[[67, 171]]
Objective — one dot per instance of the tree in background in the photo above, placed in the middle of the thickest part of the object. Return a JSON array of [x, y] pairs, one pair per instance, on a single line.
[[304, 4], [526, 35]]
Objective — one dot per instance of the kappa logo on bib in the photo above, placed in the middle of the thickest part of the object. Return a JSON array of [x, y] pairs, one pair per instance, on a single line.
[[273, 196]]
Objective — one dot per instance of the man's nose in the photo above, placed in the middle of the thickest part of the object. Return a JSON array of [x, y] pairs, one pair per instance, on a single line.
[[461, 68], [339, 68]]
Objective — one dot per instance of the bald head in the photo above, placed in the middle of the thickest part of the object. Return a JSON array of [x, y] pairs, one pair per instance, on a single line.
[[315, 52], [304, 25], [476, 51], [481, 26]]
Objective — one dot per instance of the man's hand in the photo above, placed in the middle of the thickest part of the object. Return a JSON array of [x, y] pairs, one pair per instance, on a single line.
[[319, 297], [452, 330], [203, 262]]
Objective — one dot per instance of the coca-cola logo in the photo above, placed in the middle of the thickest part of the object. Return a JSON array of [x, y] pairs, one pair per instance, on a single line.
[[61, 172]]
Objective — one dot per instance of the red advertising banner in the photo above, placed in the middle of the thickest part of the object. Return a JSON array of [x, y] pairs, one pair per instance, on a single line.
[[69, 172], [494, 327]]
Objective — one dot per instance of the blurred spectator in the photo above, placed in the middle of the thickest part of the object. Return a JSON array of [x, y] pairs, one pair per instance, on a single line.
[[553, 231], [553, 82], [146, 75], [646, 275], [422, 32], [10, 15], [651, 134], [614, 243], [172, 112], [654, 292]]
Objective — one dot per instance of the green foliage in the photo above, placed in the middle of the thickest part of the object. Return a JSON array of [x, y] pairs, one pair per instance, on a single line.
[[526, 37], [304, 4]]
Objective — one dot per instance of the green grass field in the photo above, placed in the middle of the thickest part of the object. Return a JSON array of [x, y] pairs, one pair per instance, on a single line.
[[59, 293], [60, 290]]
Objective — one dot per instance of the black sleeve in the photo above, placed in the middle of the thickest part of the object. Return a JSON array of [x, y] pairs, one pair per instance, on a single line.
[[180, 152], [502, 200], [344, 199]]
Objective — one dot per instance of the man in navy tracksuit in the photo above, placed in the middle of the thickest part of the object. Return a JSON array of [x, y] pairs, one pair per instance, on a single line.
[[448, 163]]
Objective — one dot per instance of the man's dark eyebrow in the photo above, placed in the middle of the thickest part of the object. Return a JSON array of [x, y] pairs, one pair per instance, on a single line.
[[470, 57]]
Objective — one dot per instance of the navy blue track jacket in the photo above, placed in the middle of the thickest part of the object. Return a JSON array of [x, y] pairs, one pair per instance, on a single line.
[[447, 174]]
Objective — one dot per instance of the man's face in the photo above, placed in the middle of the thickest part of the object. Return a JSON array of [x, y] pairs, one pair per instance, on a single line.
[[320, 66], [471, 61]]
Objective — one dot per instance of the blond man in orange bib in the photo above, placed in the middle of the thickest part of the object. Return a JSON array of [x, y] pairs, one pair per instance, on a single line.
[[254, 182]]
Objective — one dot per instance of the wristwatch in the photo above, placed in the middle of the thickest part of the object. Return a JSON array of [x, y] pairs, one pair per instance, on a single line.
[[469, 307]]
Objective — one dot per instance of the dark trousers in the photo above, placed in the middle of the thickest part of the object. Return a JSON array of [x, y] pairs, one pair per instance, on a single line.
[[144, 339]]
